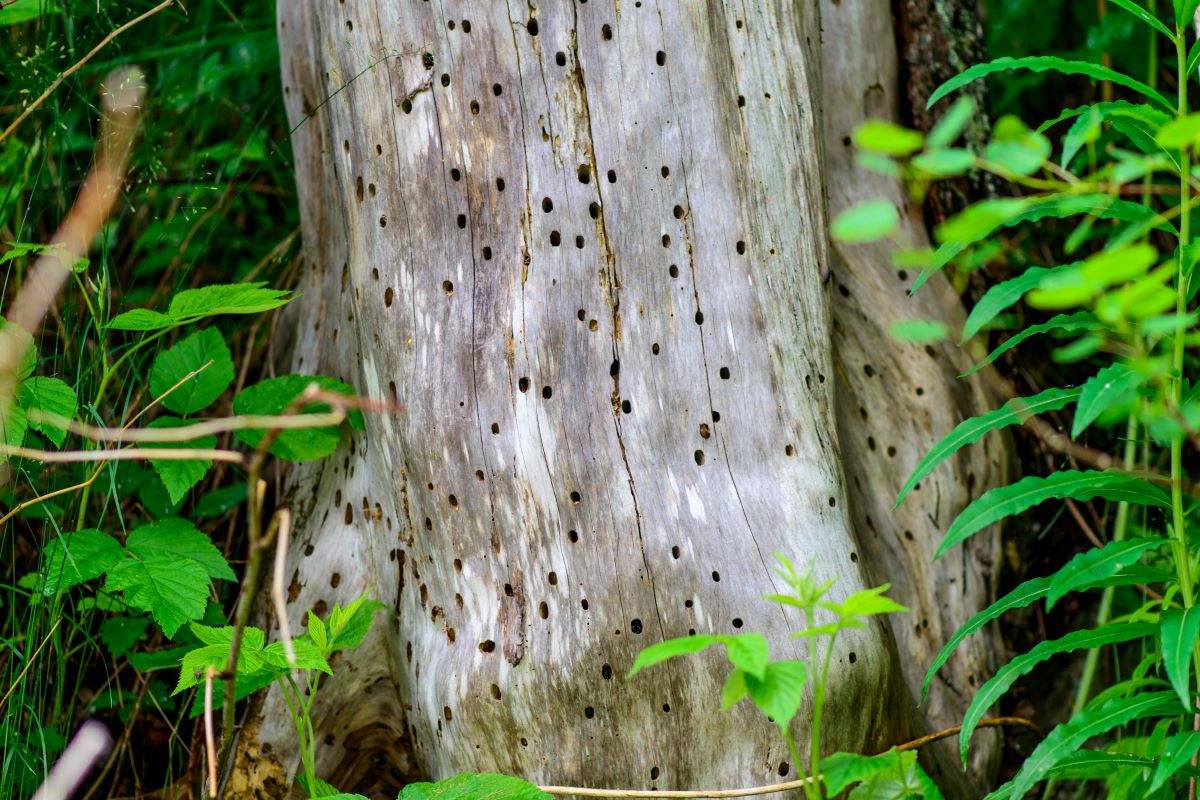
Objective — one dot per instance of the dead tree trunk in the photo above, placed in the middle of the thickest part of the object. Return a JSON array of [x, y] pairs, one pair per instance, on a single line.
[[583, 246]]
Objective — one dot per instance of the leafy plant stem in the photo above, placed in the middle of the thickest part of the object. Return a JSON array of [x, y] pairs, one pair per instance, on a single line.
[[1182, 559], [791, 743]]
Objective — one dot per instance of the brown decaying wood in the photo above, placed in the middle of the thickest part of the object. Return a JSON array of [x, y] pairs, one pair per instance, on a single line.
[[620, 402]]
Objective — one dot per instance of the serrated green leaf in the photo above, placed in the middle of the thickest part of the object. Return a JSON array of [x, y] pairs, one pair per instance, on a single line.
[[74, 558], [273, 396], [868, 603], [246, 686], [1179, 628], [1014, 412], [140, 319], [865, 222], [232, 298], [1068, 323], [316, 631], [1091, 566], [1003, 296], [1043, 64], [1177, 751], [1028, 492], [50, 396], [485, 786], [204, 350], [748, 652], [947, 129], [173, 590], [308, 656], [1069, 737], [734, 690], [121, 634], [885, 137], [839, 771], [991, 691], [780, 692], [662, 651], [348, 626], [180, 475], [179, 539], [215, 653], [1107, 388]]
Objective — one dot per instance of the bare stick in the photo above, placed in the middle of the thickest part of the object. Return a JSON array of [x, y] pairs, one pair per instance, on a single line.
[[186, 433], [282, 523], [210, 739], [124, 454], [71, 70]]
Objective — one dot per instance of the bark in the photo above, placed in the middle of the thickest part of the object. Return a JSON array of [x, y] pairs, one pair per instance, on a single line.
[[583, 247]]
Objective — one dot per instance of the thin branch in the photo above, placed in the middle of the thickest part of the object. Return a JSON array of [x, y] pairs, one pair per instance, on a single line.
[[71, 70], [187, 433], [124, 454], [282, 523]]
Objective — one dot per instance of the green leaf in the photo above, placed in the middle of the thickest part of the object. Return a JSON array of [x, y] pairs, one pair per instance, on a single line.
[[779, 693], [1109, 387], [74, 558], [1095, 764], [204, 350], [885, 137], [865, 222], [487, 786], [1002, 296], [1069, 737], [24, 11], [173, 590], [868, 603], [839, 771], [1179, 629], [233, 298], [1016, 148], [219, 501], [348, 626], [140, 319], [215, 653], [273, 396], [1146, 17], [919, 331], [1185, 11], [1177, 751], [1043, 64], [1181, 133], [1014, 412], [246, 686], [121, 634], [981, 219], [658, 653], [748, 652], [1080, 284], [308, 656], [944, 163], [947, 129], [50, 396], [1028, 492], [734, 690], [991, 691], [1097, 564], [1069, 323], [180, 475], [316, 631], [179, 538]]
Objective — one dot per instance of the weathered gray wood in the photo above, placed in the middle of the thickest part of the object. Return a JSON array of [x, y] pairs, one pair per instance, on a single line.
[[530, 529], [896, 400]]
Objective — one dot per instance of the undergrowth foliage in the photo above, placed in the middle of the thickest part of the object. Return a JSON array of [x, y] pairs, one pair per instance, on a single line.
[[1119, 302]]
